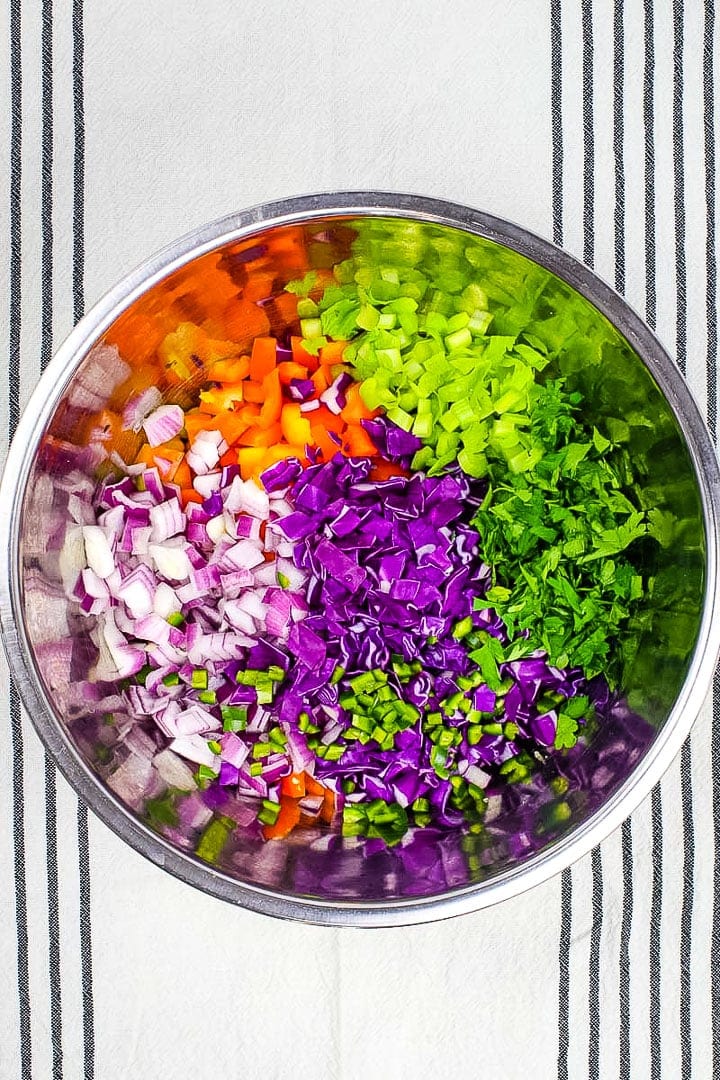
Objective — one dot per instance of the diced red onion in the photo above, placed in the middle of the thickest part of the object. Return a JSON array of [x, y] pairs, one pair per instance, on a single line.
[[139, 406], [163, 424]]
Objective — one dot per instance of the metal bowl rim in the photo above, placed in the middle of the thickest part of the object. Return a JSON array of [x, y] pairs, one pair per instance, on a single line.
[[41, 406]]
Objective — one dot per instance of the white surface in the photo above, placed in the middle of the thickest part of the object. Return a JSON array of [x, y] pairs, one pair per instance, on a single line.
[[193, 110]]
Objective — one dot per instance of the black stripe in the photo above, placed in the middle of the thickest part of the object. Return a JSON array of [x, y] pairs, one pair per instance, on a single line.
[[589, 258], [557, 218], [46, 278], [78, 160], [686, 796], [651, 316], [679, 185], [711, 367], [619, 216], [47, 185], [78, 306], [556, 117], [86, 945], [715, 937], [18, 753], [686, 911], [594, 966], [53, 917], [564, 975], [649, 125], [588, 136], [625, 930], [655, 920], [710, 258], [21, 920], [618, 141], [15, 215]]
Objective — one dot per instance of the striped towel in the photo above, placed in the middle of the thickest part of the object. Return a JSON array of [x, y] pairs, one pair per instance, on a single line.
[[591, 121]]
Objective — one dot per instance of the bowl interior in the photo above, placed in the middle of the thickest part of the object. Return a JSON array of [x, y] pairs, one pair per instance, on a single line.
[[235, 290]]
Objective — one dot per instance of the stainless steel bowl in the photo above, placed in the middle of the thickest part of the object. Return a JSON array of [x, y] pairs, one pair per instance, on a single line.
[[318, 876]]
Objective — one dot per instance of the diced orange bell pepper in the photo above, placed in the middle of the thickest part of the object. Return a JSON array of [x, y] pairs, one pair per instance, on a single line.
[[261, 437], [230, 455], [230, 371], [195, 421], [259, 284], [250, 459], [383, 470], [280, 451], [293, 786], [357, 443], [313, 786], [189, 348], [183, 476], [254, 392], [295, 427], [284, 309], [327, 810], [329, 420], [332, 353], [250, 414], [272, 405], [263, 358], [320, 380], [286, 820], [300, 356], [355, 408], [232, 427], [322, 440], [221, 398], [244, 321], [289, 369]]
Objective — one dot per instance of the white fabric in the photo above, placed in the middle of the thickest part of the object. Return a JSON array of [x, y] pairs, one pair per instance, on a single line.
[[192, 111]]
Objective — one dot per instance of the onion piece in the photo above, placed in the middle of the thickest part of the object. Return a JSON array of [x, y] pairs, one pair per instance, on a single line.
[[163, 424], [98, 550]]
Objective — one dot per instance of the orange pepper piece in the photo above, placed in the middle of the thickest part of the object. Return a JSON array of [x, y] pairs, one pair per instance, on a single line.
[[230, 371], [286, 820], [221, 399], [232, 427], [263, 359], [313, 786], [330, 421], [257, 437], [272, 405], [332, 353], [357, 443], [290, 369], [259, 285], [355, 408], [244, 321], [320, 380], [302, 357], [293, 785], [250, 460], [183, 476], [280, 451], [254, 392], [284, 308], [322, 440], [327, 810], [295, 427], [383, 470]]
